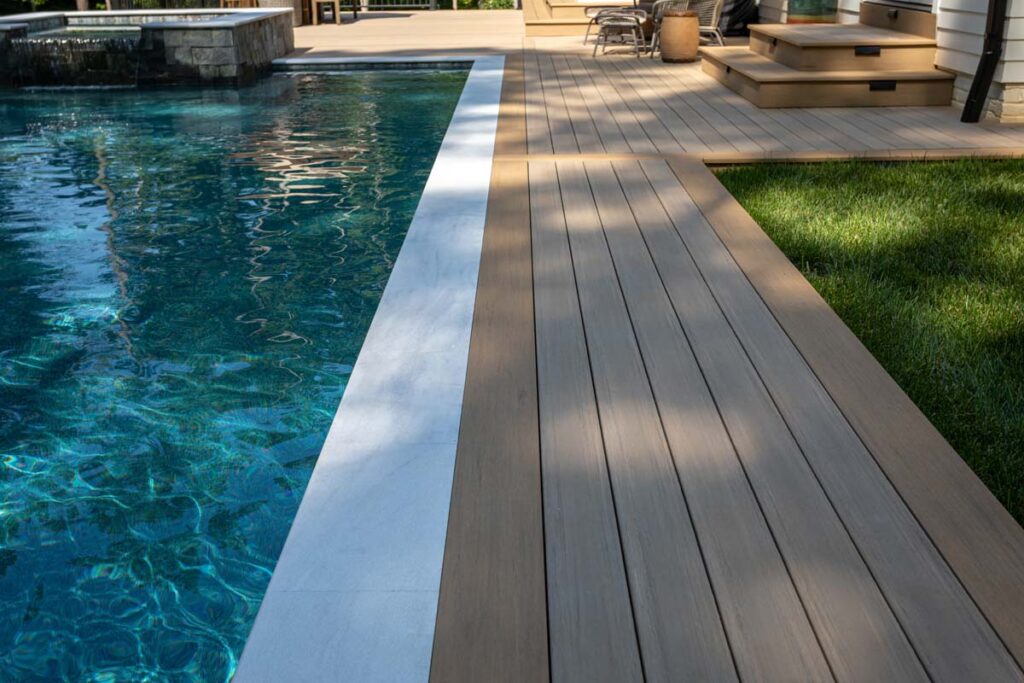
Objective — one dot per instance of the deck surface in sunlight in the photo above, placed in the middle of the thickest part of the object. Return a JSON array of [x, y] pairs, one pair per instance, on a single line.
[[675, 461]]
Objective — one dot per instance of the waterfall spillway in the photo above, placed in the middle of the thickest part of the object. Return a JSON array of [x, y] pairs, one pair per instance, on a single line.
[[76, 58]]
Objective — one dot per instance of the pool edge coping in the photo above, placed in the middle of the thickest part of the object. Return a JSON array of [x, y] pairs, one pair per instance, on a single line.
[[359, 593]]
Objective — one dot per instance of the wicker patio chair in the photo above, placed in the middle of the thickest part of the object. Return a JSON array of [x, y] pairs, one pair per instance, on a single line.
[[709, 12]]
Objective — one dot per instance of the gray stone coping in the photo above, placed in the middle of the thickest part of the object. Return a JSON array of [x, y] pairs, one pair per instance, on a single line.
[[219, 18]]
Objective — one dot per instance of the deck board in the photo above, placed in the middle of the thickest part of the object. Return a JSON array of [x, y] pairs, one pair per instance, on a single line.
[[591, 640], [982, 544], [946, 629], [857, 630], [679, 628], [716, 480], [768, 629], [495, 540]]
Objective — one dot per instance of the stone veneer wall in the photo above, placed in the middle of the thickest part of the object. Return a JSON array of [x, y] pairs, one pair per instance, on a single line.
[[231, 55], [1009, 107], [221, 48]]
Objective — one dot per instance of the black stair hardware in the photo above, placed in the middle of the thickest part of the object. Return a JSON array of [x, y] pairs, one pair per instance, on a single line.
[[882, 86], [867, 50]]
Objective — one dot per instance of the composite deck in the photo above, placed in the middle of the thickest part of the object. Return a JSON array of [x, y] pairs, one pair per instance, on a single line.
[[676, 463]]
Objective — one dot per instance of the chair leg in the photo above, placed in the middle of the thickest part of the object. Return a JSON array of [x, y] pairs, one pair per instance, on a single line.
[[586, 36]]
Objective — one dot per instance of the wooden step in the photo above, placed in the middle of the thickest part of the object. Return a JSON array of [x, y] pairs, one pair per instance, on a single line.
[[842, 47], [556, 27], [769, 84], [577, 10]]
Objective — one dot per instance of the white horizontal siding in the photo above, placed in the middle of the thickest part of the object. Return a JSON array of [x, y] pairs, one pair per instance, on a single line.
[[773, 11], [960, 35], [849, 11], [777, 11]]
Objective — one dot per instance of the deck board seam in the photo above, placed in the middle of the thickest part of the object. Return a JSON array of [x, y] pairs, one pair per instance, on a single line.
[[797, 442], [601, 430], [754, 490], [741, 464], [657, 407]]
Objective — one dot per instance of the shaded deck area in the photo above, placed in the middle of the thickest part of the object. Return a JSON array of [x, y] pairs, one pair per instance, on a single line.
[[675, 461]]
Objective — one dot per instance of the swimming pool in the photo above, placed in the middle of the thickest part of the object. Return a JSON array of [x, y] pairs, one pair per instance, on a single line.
[[186, 278]]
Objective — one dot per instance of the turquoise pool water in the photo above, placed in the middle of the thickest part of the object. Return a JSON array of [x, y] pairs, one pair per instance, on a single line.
[[186, 277]]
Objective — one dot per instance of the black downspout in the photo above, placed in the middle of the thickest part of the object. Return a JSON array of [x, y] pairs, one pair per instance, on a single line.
[[990, 54]]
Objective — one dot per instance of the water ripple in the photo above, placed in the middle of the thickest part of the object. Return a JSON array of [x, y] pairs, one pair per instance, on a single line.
[[186, 279]]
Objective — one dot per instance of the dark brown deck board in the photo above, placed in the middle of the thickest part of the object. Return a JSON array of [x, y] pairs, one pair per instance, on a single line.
[[491, 623], [768, 629], [948, 632], [593, 637], [680, 632], [982, 543]]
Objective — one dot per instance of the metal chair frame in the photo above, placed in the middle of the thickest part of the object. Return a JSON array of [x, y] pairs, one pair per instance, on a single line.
[[620, 22]]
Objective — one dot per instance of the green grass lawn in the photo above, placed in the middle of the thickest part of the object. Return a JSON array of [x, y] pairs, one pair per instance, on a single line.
[[925, 263]]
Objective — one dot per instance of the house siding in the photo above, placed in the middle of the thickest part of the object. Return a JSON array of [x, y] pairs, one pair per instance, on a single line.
[[960, 34], [776, 11]]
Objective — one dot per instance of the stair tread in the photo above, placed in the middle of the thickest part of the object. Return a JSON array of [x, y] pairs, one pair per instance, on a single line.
[[765, 70], [839, 35]]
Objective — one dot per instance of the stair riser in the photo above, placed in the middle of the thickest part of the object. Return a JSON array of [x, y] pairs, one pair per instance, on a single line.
[[576, 11], [918, 23], [570, 28], [834, 94], [844, 58], [563, 12]]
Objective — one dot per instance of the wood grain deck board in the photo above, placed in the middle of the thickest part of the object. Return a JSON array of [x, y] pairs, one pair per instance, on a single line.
[[645, 113], [538, 129], [678, 383], [612, 137], [947, 631], [491, 623], [855, 626], [768, 630], [583, 124], [684, 128], [678, 624], [981, 542], [593, 637]]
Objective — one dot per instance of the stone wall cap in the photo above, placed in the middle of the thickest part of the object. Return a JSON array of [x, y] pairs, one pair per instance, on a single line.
[[220, 18]]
